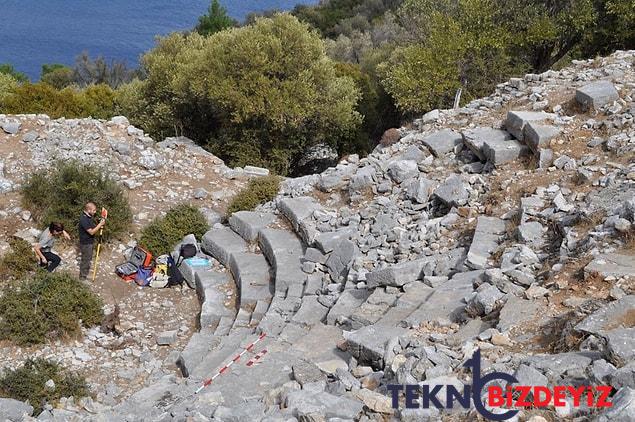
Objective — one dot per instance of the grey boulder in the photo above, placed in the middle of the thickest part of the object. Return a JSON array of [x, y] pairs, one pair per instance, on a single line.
[[442, 142], [596, 94], [14, 410]]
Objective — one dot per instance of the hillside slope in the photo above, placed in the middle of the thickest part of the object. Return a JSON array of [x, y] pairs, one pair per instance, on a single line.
[[507, 226]]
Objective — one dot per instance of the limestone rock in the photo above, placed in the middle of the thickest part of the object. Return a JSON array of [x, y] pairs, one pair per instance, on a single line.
[[596, 94]]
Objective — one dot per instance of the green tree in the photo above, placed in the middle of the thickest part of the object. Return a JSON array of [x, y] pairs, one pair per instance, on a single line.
[[57, 75], [215, 20], [460, 44], [259, 94], [547, 30], [7, 84], [8, 69], [614, 28]]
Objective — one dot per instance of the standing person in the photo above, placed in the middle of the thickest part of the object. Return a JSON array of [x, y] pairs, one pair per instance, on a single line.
[[87, 231], [43, 247]]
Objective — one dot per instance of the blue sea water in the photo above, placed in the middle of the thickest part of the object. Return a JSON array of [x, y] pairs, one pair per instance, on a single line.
[[34, 32]]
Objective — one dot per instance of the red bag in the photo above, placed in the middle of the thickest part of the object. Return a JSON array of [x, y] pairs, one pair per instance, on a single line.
[[140, 258]]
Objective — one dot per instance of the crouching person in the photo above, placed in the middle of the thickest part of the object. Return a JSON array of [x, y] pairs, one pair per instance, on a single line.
[[43, 248]]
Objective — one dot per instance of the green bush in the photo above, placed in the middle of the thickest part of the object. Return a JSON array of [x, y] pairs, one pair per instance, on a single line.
[[163, 233], [60, 193], [50, 305], [58, 75], [19, 261], [8, 69], [27, 383], [464, 45], [258, 191], [7, 84], [264, 90], [95, 100]]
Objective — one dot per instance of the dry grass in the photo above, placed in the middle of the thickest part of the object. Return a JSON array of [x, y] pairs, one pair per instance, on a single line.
[[588, 222]]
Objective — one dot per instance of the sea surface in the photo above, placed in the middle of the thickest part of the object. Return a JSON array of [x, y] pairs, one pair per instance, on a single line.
[[34, 32]]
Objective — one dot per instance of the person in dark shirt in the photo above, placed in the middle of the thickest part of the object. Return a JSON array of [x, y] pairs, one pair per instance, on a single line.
[[87, 231]]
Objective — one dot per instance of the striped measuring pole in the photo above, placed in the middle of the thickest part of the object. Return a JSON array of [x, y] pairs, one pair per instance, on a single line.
[[257, 357], [234, 360]]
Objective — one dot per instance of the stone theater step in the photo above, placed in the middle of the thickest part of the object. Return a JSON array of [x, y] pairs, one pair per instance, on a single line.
[[299, 211], [486, 239], [284, 252], [248, 223], [209, 289], [442, 142], [516, 121], [221, 243], [252, 276]]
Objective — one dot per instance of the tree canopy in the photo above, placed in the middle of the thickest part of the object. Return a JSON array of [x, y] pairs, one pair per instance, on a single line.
[[215, 20], [259, 94]]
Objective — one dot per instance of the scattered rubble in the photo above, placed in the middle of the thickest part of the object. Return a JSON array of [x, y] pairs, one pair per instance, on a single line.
[[491, 227]]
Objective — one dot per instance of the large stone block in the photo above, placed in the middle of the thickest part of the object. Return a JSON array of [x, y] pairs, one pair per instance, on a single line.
[[442, 142], [398, 274], [516, 121], [200, 344], [612, 265], [623, 408], [419, 190], [221, 243], [486, 237], [251, 273], [538, 136], [284, 251], [363, 179], [452, 192], [446, 302], [299, 211], [248, 223], [620, 345], [498, 152], [14, 410], [368, 344], [401, 170], [476, 138], [308, 405], [211, 296], [617, 314], [596, 94]]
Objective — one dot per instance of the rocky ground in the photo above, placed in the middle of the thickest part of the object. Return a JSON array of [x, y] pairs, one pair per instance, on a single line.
[[155, 176], [507, 225]]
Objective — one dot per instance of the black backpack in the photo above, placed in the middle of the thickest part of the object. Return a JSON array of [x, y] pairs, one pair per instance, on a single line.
[[175, 277], [188, 251]]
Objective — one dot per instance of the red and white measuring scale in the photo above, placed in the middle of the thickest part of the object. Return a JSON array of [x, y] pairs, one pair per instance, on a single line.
[[235, 359]]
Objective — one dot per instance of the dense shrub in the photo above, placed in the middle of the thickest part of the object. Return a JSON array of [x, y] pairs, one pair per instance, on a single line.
[[27, 383], [163, 233], [96, 101], [258, 191], [462, 45], [7, 84], [49, 305], [57, 75], [98, 71], [60, 193], [8, 69], [263, 92], [19, 261]]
